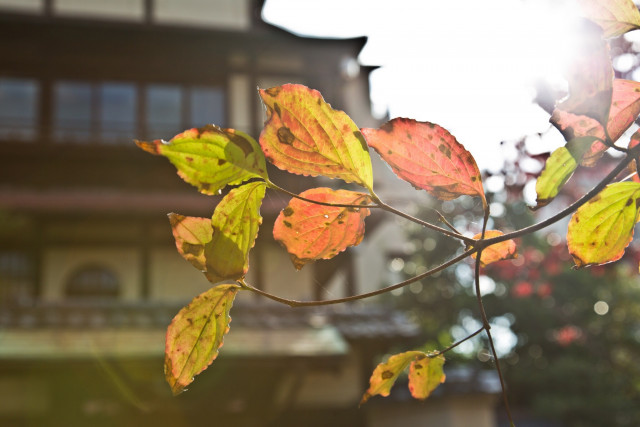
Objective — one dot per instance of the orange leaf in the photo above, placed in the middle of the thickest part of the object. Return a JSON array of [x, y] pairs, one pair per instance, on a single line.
[[311, 232], [498, 251], [191, 235], [427, 156]]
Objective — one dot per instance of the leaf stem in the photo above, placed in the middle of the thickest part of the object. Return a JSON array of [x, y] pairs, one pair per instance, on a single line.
[[295, 303], [380, 205], [454, 345]]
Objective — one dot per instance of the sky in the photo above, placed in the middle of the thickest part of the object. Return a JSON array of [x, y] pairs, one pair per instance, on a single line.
[[467, 65]]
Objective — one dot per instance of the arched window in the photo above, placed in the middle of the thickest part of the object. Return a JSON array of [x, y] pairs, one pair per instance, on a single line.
[[93, 281]]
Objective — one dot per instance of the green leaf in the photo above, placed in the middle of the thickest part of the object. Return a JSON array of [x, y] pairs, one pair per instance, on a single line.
[[559, 168], [428, 157], [195, 335], [616, 17], [235, 223], [305, 136], [211, 158], [425, 374], [602, 228], [191, 235], [310, 231], [385, 374]]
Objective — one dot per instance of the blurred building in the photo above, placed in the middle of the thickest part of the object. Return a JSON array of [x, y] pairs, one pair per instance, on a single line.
[[89, 274]]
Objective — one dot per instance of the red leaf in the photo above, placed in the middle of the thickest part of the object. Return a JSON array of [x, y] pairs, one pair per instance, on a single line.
[[625, 107], [311, 232], [427, 156]]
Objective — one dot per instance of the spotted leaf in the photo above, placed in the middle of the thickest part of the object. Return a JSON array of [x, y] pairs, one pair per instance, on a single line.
[[310, 231], [195, 335], [235, 224], [427, 156], [425, 374], [625, 108], [601, 229], [496, 252], [191, 235], [385, 374], [211, 158], [305, 136]]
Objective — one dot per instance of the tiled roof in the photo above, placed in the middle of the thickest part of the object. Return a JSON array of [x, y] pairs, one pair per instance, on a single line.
[[354, 322]]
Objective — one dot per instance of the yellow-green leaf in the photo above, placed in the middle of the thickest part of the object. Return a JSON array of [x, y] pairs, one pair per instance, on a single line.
[[305, 136], [425, 374], [602, 228], [235, 223], [191, 235], [615, 17], [211, 158], [195, 335], [559, 168], [386, 374]]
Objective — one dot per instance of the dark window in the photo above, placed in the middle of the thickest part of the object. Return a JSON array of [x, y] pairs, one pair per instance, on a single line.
[[18, 108], [164, 111], [16, 277], [207, 106], [117, 112], [72, 112], [94, 282]]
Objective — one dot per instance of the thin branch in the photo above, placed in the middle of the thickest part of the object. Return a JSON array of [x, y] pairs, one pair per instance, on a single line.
[[454, 345], [317, 202], [295, 303], [485, 320], [567, 211]]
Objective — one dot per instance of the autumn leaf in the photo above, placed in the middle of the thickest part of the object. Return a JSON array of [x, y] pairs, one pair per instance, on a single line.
[[191, 235], [425, 374], [615, 17], [625, 108], [559, 168], [235, 223], [633, 166], [195, 335], [310, 231], [427, 156], [305, 136], [211, 158], [602, 228], [498, 251], [590, 78]]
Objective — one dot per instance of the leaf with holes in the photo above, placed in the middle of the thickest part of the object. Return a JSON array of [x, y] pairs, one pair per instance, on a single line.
[[559, 168], [616, 17], [310, 231], [498, 251], [602, 228], [427, 156], [386, 374], [195, 335], [235, 223], [211, 158], [625, 108], [305, 136], [425, 374], [590, 78], [191, 235]]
